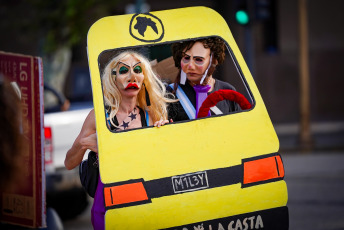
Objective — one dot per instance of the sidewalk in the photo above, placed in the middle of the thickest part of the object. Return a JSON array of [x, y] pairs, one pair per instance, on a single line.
[[325, 135]]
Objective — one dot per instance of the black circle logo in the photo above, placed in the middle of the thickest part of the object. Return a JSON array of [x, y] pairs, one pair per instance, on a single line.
[[146, 28]]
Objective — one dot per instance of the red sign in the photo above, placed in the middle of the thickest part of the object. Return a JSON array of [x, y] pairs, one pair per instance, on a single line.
[[26, 205]]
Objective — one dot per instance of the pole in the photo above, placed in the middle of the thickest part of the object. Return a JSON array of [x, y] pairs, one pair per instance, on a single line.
[[249, 52], [305, 133]]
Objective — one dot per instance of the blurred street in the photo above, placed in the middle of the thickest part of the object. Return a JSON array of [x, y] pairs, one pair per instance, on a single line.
[[82, 222], [315, 186], [316, 190]]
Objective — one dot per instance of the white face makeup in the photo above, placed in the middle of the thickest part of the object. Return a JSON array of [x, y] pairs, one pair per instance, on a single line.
[[195, 62], [129, 76]]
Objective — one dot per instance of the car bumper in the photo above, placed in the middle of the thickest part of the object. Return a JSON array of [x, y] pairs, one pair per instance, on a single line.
[[275, 218]]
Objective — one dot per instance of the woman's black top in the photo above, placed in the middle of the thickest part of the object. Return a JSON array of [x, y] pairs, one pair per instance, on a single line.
[[143, 120]]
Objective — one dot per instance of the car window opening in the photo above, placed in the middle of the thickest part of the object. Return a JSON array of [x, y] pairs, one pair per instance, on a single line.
[[191, 70]]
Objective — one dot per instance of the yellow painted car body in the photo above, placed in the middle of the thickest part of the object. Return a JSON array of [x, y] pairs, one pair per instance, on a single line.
[[184, 150]]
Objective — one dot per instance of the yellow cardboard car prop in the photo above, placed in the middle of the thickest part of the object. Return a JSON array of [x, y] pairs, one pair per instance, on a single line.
[[220, 172]]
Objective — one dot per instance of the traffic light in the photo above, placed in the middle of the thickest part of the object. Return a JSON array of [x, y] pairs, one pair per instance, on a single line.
[[265, 11], [242, 15]]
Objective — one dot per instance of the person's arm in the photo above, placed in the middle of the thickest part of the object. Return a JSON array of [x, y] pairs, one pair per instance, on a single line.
[[87, 139]]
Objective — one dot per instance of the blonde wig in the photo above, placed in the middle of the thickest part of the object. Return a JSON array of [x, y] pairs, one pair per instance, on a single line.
[[155, 89]]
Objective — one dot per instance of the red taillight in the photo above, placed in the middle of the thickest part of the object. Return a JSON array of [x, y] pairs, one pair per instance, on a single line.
[[48, 145], [47, 132]]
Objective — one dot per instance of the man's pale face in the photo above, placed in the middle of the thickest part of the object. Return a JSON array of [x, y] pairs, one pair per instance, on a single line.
[[195, 61], [129, 76]]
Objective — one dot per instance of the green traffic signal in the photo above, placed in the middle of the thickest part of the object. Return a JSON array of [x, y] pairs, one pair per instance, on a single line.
[[242, 17]]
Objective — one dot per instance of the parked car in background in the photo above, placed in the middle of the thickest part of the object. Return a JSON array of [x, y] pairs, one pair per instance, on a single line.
[[63, 120]]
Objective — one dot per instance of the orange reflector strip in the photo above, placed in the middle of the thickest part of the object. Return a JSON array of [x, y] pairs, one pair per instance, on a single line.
[[263, 169], [123, 194]]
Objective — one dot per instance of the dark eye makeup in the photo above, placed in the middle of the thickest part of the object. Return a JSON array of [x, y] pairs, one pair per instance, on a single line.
[[198, 60], [186, 59], [123, 70], [138, 69]]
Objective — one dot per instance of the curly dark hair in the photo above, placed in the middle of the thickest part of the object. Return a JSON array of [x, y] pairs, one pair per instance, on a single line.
[[215, 44]]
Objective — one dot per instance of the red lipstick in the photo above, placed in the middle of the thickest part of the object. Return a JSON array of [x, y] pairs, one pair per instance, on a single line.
[[132, 86]]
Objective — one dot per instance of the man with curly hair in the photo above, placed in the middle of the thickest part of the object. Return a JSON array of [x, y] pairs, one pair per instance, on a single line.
[[197, 60]]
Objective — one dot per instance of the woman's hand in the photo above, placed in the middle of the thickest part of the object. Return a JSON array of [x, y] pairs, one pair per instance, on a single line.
[[162, 122]]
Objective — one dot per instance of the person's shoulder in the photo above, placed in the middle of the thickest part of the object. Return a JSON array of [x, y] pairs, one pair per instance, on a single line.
[[90, 120], [169, 87], [91, 113], [170, 91], [223, 85]]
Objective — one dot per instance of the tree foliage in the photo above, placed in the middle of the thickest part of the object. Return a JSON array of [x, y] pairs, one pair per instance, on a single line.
[[66, 22]]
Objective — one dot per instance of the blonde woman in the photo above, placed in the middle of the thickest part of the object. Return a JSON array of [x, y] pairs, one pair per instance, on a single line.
[[134, 98]]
